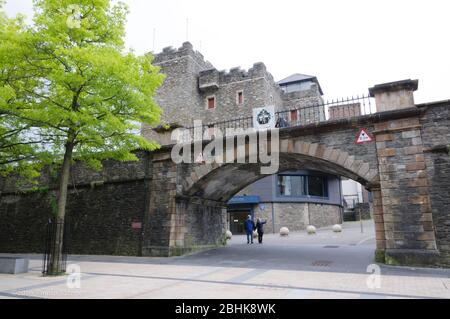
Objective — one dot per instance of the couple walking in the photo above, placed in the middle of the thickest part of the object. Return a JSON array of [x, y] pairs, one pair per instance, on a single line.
[[250, 227]]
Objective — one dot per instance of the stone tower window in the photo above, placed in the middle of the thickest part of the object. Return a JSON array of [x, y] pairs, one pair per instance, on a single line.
[[210, 102], [240, 97]]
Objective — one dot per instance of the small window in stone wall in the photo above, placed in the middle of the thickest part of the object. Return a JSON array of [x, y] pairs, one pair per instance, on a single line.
[[294, 117], [210, 102], [240, 98]]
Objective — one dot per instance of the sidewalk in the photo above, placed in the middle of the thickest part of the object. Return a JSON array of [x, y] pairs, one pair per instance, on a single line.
[[325, 265]]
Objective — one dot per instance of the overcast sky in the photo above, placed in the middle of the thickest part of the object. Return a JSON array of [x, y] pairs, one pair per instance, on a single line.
[[349, 45]]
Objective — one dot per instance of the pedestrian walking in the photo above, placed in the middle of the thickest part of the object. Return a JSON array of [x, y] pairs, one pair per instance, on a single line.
[[260, 229], [249, 226]]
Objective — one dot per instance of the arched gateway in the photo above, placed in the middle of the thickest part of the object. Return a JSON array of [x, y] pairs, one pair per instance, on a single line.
[[191, 198]]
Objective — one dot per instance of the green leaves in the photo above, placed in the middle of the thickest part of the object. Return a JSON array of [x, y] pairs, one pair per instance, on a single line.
[[68, 80]]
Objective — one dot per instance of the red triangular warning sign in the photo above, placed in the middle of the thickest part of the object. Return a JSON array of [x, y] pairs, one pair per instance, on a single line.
[[363, 137]]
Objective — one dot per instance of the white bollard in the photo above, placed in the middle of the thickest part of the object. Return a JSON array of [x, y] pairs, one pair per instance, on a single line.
[[337, 228], [284, 231], [311, 230]]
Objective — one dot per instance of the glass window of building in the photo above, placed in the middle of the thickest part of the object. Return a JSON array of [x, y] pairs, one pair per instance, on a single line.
[[299, 185], [317, 186], [291, 185]]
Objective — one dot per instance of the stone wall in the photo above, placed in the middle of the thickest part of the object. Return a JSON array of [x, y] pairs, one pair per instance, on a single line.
[[436, 139], [205, 225], [324, 215], [297, 216], [99, 219], [101, 209], [407, 215]]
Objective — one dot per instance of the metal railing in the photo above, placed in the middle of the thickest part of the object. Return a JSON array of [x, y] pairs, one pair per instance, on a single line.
[[344, 108]]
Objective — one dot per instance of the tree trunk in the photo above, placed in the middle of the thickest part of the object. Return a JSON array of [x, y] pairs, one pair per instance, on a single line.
[[55, 266]]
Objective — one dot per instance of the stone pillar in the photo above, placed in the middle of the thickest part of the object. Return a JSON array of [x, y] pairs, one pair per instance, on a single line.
[[394, 95], [377, 213], [204, 225], [405, 200], [162, 208], [178, 224]]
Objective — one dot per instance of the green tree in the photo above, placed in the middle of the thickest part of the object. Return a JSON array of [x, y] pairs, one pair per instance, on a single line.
[[84, 95], [19, 148]]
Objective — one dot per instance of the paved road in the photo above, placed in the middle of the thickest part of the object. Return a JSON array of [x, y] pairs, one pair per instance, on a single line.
[[350, 251], [326, 265]]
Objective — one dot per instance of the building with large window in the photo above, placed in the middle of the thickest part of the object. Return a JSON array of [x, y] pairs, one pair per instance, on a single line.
[[195, 90], [294, 199]]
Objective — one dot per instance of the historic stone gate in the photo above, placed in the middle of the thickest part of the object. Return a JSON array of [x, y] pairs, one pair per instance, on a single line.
[[177, 208], [191, 197]]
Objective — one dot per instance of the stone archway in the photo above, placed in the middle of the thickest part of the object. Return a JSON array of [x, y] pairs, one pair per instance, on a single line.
[[221, 182], [187, 196]]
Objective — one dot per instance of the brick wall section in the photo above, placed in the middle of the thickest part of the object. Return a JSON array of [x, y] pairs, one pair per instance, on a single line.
[[435, 132], [344, 111]]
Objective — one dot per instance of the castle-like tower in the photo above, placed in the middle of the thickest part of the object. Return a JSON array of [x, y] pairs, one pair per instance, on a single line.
[[195, 90]]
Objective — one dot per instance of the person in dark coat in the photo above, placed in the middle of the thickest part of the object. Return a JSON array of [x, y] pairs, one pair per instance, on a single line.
[[260, 229], [249, 226], [281, 122]]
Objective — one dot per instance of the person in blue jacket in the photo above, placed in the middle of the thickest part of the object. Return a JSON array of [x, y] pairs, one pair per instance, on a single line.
[[249, 226]]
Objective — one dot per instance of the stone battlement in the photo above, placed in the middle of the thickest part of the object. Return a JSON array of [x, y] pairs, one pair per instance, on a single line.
[[213, 78], [187, 49]]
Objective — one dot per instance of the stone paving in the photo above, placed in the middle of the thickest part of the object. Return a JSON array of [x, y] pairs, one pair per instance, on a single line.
[[325, 265]]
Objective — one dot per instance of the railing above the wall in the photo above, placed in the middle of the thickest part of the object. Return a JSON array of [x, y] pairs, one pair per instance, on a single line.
[[344, 108]]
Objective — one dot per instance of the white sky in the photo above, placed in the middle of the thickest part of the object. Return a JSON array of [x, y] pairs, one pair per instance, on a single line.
[[349, 45]]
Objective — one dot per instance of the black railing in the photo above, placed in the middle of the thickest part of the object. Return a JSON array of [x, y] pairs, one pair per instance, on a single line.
[[297, 116], [55, 262]]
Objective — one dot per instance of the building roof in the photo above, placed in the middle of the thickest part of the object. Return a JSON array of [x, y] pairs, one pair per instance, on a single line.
[[298, 77]]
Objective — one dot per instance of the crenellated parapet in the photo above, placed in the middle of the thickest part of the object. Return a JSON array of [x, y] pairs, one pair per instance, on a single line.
[[170, 53], [213, 79]]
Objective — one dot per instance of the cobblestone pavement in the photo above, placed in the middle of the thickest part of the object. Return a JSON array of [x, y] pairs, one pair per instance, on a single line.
[[325, 265]]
